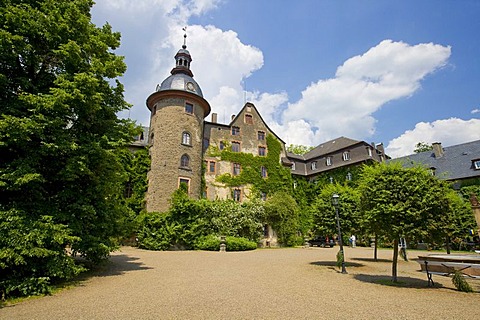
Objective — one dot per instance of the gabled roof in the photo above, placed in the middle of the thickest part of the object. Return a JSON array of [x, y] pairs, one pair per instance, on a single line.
[[455, 163], [330, 147], [249, 104]]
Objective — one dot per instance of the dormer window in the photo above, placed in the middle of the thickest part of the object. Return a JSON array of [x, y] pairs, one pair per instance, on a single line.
[[328, 162], [313, 165], [346, 156], [476, 164]]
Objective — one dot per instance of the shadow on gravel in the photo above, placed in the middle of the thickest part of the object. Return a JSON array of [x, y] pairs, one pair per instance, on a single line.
[[403, 282], [334, 264], [372, 260], [118, 265]]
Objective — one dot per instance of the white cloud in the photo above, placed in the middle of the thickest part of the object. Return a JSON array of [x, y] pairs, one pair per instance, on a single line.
[[449, 132], [345, 105], [474, 111]]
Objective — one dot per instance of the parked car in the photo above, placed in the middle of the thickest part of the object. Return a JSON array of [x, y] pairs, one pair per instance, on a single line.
[[322, 241]]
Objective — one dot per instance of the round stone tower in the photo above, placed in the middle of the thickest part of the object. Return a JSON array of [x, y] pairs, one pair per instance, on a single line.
[[177, 111]]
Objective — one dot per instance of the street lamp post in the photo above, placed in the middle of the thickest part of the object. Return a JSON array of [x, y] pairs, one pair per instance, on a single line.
[[335, 204]]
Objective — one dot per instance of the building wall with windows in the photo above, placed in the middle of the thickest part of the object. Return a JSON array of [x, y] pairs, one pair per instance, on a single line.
[[246, 133], [337, 153]]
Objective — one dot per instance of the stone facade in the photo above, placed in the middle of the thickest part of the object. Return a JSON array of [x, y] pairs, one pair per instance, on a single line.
[[246, 133]]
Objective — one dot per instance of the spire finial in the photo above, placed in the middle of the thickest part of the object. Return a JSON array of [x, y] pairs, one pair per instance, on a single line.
[[184, 37]]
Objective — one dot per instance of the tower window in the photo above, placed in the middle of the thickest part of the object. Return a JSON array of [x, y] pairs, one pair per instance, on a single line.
[[186, 139], [206, 143], [184, 183], [237, 194], [235, 146], [261, 135], [262, 151], [189, 108], [235, 131], [151, 138], [211, 167], [248, 119], [263, 171], [221, 145], [236, 169], [185, 161]]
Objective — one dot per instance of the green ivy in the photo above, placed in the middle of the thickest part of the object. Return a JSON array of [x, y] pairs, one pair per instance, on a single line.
[[278, 177]]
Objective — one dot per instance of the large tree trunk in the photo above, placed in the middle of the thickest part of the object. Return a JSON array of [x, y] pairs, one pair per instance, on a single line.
[[375, 256], [447, 240], [395, 259]]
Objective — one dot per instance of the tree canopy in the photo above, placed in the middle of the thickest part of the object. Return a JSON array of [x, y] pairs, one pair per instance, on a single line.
[[59, 134], [403, 202]]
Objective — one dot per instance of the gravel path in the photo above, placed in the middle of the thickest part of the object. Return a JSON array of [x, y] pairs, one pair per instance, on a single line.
[[293, 283]]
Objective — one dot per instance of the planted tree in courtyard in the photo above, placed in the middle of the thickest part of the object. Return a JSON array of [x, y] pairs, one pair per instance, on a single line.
[[60, 177], [323, 210], [399, 202]]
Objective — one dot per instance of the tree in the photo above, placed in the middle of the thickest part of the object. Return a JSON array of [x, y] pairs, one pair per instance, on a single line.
[[422, 147], [59, 136], [281, 213], [324, 212], [402, 202], [299, 149]]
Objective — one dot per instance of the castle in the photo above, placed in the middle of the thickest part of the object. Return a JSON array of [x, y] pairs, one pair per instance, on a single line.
[[206, 155]]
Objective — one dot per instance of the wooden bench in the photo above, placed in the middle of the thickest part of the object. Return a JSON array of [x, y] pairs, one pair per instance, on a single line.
[[445, 265]]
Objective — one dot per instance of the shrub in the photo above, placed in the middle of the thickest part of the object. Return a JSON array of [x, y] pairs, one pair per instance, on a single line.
[[156, 231], [212, 243], [240, 244], [460, 283]]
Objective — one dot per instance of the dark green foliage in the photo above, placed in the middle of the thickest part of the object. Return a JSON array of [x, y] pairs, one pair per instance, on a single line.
[[208, 243], [240, 244], [323, 211], [157, 231], [59, 138], [399, 202], [190, 220], [422, 147], [212, 243], [32, 254], [340, 258], [460, 283], [281, 212]]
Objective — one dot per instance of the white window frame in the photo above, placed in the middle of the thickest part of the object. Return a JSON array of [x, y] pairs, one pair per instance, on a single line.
[[346, 156], [329, 161]]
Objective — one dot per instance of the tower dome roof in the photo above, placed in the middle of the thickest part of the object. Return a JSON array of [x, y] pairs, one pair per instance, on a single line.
[[181, 81], [181, 76]]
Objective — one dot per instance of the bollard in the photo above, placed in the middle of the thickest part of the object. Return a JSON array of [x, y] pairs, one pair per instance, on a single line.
[[223, 246]]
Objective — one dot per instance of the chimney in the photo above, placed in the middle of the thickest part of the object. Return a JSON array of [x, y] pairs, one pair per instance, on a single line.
[[380, 148], [233, 117], [214, 117], [437, 149]]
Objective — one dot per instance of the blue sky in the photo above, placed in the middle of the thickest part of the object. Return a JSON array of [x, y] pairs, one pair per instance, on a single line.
[[396, 72]]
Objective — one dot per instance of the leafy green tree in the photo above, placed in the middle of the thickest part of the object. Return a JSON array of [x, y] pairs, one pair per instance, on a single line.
[[299, 149], [324, 212], [281, 212], [402, 202], [422, 147], [59, 134]]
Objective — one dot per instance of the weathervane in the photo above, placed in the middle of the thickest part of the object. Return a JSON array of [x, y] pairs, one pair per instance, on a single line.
[[184, 38]]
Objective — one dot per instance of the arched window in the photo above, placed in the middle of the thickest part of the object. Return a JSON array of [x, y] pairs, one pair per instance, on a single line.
[[185, 161], [186, 138]]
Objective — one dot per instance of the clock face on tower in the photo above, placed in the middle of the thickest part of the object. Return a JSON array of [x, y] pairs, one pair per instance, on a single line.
[[190, 86]]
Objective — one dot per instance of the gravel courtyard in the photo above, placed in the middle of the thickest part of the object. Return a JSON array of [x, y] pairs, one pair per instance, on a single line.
[[292, 283]]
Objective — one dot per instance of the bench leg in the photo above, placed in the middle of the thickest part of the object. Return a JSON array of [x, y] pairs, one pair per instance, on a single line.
[[429, 276]]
